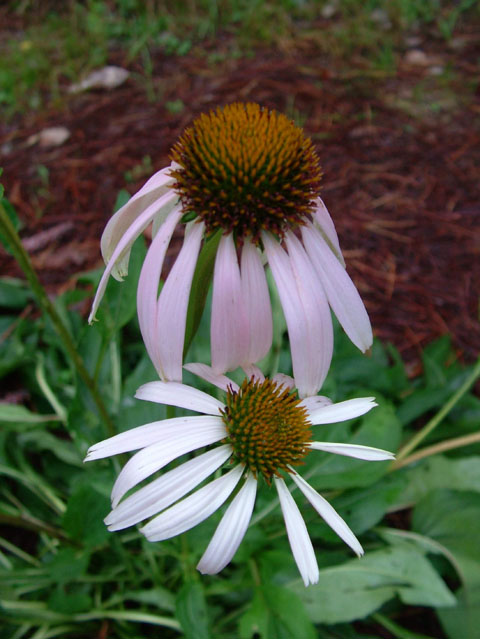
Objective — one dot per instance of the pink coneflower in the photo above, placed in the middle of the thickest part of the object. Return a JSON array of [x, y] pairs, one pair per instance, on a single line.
[[262, 431], [250, 176]]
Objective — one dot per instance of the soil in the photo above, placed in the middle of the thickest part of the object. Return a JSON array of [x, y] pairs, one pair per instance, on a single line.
[[400, 152]]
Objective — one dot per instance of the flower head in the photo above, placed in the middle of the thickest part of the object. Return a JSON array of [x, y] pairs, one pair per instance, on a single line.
[[262, 430], [250, 175]]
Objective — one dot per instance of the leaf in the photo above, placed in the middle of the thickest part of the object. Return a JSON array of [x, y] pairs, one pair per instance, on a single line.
[[463, 621], [14, 293], [191, 611], [70, 600], [67, 565], [357, 588], [16, 414], [83, 519], [439, 472], [276, 613]]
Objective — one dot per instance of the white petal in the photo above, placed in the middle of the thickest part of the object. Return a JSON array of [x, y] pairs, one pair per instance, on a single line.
[[326, 226], [342, 295], [317, 401], [229, 324], [353, 450], [151, 192], [257, 304], [125, 244], [298, 537], [167, 489], [253, 372], [147, 292], [174, 443], [193, 509], [181, 395], [171, 315], [329, 514], [206, 372], [342, 411], [137, 438], [230, 531]]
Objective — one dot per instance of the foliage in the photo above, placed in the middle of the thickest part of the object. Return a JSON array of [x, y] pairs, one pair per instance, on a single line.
[[62, 574]]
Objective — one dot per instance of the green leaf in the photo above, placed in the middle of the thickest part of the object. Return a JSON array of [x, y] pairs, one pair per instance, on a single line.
[[83, 519], [276, 613], [17, 414], [12, 214], [463, 621], [357, 588], [70, 600], [14, 293], [191, 611], [67, 565], [439, 472]]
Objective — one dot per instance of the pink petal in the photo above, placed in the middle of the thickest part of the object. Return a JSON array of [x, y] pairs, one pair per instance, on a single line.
[[148, 283], [325, 223], [124, 245], [341, 292], [257, 303], [171, 315], [206, 372], [229, 324]]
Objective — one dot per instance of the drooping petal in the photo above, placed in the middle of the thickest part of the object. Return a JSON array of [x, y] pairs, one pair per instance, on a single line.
[[329, 514], [206, 372], [175, 442], [230, 531], [229, 324], [325, 224], [293, 310], [341, 411], [167, 489], [180, 395], [193, 509], [171, 316], [298, 537], [148, 283], [342, 295], [257, 304], [137, 438], [319, 321], [125, 243], [157, 186], [353, 450]]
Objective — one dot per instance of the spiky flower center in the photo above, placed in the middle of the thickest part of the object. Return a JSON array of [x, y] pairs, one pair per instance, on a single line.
[[246, 169], [268, 428]]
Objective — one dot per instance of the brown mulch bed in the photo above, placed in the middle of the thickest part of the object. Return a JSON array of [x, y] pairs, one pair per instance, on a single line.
[[400, 154]]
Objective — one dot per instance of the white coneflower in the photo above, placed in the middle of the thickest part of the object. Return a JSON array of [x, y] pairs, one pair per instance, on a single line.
[[262, 430], [252, 175]]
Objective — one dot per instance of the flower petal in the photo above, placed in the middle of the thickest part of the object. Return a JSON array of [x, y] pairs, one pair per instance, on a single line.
[[206, 372], [167, 489], [148, 283], [314, 402], [328, 513], [171, 316], [257, 304], [342, 295], [230, 531], [193, 509], [298, 537], [157, 186], [137, 438], [353, 450], [175, 442], [284, 380], [341, 411], [229, 324], [181, 395], [325, 224], [126, 242]]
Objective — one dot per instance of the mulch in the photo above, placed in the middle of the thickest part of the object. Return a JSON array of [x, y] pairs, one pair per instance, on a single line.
[[400, 154]]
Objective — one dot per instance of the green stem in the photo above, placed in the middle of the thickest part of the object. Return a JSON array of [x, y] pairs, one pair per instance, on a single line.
[[442, 413], [46, 305], [448, 444]]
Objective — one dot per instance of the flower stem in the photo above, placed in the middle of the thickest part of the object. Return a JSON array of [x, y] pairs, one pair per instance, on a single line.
[[448, 444], [436, 419], [46, 305]]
